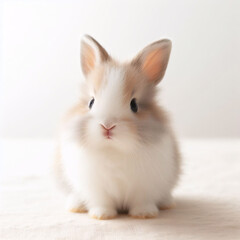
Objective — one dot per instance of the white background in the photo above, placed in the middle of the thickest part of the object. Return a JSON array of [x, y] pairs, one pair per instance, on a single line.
[[41, 70]]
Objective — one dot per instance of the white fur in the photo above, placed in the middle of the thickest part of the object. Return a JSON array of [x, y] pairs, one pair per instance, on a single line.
[[108, 104], [126, 172], [139, 181]]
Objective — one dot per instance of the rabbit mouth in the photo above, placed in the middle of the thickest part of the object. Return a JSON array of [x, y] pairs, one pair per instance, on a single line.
[[108, 131], [107, 135]]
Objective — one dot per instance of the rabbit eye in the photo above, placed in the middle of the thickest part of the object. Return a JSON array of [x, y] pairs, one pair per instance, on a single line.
[[91, 103], [133, 105]]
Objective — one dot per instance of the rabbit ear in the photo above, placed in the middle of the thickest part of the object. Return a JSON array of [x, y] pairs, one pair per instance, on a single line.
[[153, 60], [92, 54]]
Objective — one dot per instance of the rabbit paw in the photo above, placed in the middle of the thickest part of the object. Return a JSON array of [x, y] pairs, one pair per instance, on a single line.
[[75, 204], [144, 211], [166, 203], [102, 213]]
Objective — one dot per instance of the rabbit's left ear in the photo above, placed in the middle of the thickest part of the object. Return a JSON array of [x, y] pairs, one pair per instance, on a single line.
[[153, 60], [92, 54]]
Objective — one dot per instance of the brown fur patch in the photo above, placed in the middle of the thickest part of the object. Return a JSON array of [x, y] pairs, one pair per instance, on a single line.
[[130, 83], [158, 113], [131, 124], [136, 85], [97, 77]]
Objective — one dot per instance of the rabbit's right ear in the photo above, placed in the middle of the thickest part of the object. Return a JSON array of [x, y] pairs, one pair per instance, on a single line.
[[92, 54]]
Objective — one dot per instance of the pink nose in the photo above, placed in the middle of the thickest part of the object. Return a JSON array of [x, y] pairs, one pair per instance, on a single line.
[[107, 128], [107, 131]]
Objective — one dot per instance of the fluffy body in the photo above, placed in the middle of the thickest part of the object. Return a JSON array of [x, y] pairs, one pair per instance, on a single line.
[[137, 168]]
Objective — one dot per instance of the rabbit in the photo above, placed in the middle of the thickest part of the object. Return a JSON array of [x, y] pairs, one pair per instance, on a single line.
[[116, 149]]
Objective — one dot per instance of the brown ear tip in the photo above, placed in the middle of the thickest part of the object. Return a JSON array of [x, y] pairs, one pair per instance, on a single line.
[[162, 44], [86, 37], [166, 42]]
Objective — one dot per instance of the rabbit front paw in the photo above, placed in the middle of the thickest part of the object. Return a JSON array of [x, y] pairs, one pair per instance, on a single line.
[[75, 204], [144, 211], [102, 213]]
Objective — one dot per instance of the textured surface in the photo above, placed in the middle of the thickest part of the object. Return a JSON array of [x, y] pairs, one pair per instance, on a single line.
[[208, 198]]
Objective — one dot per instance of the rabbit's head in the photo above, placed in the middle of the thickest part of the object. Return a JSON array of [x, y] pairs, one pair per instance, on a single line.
[[117, 106]]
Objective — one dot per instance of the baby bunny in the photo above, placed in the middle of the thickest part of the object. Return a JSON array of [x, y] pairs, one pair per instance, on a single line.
[[117, 151]]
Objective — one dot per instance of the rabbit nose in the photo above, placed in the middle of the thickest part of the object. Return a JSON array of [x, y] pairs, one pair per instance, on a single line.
[[107, 127]]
